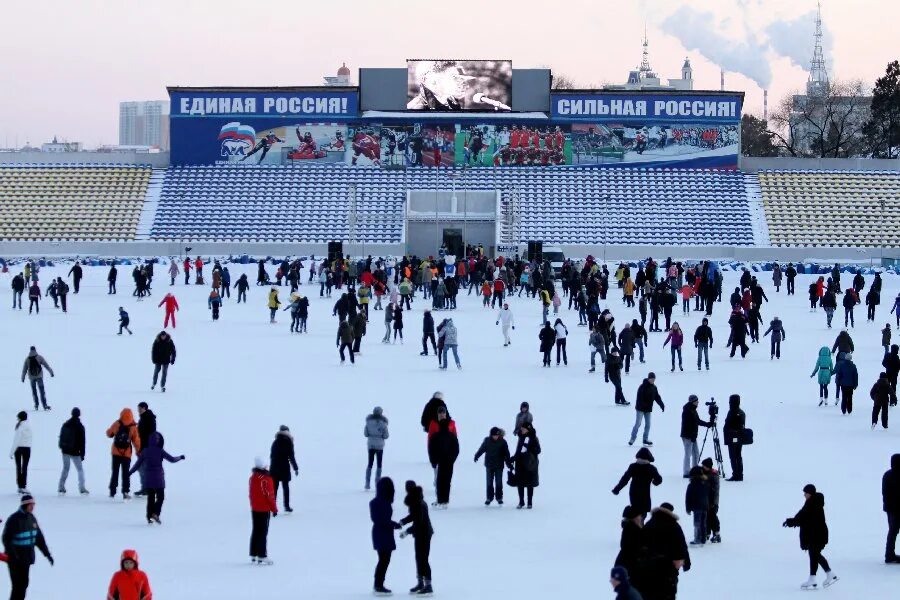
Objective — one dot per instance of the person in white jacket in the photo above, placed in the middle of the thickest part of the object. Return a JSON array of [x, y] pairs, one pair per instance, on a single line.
[[21, 451], [561, 333], [505, 319]]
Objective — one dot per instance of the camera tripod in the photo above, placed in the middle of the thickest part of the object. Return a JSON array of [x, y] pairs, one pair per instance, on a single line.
[[717, 447]]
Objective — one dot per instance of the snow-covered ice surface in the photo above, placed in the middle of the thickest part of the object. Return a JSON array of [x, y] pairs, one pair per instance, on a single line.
[[237, 380]]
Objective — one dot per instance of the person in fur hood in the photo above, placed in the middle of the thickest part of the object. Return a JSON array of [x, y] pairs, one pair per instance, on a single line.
[[282, 461]]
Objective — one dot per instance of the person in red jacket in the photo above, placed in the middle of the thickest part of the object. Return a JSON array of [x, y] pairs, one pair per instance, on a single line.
[[171, 306], [129, 583], [198, 267], [499, 289], [262, 505], [187, 270]]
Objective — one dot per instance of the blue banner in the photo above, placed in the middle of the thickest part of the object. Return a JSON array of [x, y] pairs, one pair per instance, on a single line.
[[337, 105], [646, 107]]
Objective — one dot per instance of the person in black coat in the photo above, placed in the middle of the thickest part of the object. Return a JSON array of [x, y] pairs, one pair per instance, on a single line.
[[421, 530], [443, 449], [739, 330], [842, 343], [613, 373], [703, 341], [733, 431], [496, 456], [891, 364], [76, 274], [641, 473], [890, 496], [111, 279], [690, 429], [429, 413], [667, 554], [647, 395], [527, 464], [813, 534], [631, 543], [880, 394], [162, 354], [547, 336], [622, 585], [427, 333], [72, 444], [281, 462], [18, 288], [383, 526], [790, 274], [146, 428]]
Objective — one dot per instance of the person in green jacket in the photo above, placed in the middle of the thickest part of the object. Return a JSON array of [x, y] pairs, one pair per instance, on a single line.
[[825, 369], [405, 288]]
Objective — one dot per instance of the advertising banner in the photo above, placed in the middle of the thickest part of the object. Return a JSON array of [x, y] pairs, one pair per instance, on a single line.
[[265, 127], [477, 85], [601, 107], [513, 145]]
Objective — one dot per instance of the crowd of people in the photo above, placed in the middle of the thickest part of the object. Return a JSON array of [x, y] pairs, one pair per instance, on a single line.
[[652, 552]]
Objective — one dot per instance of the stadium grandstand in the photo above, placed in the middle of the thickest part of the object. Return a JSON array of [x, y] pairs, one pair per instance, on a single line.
[[256, 170]]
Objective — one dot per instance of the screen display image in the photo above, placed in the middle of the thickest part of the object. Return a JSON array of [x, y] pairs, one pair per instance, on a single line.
[[452, 85]]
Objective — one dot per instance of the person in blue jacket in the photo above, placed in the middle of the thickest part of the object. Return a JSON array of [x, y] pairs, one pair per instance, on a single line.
[[383, 525], [847, 379], [124, 321], [151, 459]]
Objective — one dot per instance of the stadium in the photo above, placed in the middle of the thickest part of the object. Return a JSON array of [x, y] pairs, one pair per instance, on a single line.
[[284, 171]]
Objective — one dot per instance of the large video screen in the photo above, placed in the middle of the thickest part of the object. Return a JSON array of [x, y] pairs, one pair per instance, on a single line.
[[451, 85]]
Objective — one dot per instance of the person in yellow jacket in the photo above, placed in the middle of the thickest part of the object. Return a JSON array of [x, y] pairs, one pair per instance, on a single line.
[[545, 303], [274, 303], [364, 292], [628, 292]]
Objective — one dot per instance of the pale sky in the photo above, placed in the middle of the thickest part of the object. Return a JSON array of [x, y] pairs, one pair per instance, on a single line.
[[66, 64]]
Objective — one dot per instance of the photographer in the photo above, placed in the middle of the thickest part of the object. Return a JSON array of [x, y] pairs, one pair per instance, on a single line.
[[690, 426], [735, 422]]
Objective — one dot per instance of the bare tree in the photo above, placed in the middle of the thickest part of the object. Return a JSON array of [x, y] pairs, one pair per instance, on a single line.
[[562, 81], [829, 125]]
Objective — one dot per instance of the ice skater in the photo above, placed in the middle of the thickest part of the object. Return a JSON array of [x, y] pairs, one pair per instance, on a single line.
[[813, 535], [151, 459], [34, 367], [124, 321], [171, 306]]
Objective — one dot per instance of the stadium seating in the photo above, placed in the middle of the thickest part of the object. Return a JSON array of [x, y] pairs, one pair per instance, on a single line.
[[832, 208], [71, 203], [558, 205]]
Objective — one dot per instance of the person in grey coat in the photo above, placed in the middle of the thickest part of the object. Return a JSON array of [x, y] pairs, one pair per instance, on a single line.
[[777, 330], [523, 416], [376, 431], [496, 455], [388, 323], [34, 367], [449, 336]]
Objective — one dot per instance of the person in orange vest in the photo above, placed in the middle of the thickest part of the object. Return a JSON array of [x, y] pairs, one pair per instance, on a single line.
[[171, 306], [129, 583]]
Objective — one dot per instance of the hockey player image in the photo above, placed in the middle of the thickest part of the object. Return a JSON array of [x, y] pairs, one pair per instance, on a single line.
[[264, 144], [307, 148], [366, 144]]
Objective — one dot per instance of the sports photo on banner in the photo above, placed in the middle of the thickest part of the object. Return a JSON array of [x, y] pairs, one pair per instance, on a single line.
[[325, 142], [645, 143], [437, 143], [266, 144], [477, 85], [482, 145]]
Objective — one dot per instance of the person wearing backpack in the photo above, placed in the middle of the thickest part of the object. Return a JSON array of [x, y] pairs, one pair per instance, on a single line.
[[72, 443], [151, 460], [124, 433], [34, 367]]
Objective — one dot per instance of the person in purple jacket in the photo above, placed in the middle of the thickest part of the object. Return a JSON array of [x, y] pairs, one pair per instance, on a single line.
[[151, 459], [676, 336]]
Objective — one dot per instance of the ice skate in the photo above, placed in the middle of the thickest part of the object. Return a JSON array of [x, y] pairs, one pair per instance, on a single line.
[[830, 579], [419, 585], [264, 561], [809, 584], [380, 590]]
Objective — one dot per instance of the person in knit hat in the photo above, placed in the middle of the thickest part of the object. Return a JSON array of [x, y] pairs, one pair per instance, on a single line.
[[262, 506], [618, 579], [20, 536], [813, 535]]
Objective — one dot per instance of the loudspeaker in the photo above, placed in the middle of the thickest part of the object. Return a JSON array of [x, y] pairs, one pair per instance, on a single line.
[[535, 250], [335, 251]]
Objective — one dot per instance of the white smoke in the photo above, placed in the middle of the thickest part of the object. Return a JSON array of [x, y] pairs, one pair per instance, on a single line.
[[733, 45], [698, 30]]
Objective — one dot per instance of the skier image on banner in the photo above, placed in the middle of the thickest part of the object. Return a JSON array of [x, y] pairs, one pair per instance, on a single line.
[[367, 145], [264, 144]]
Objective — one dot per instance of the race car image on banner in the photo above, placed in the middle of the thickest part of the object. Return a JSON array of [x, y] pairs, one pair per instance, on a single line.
[[482, 85], [324, 142], [512, 145], [635, 143]]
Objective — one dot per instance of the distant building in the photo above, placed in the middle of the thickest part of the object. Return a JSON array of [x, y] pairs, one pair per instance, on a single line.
[[144, 124], [57, 146], [341, 80], [819, 103], [645, 78]]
